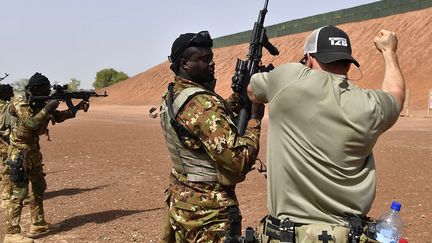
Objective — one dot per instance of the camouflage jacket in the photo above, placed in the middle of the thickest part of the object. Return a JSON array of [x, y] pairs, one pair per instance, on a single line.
[[208, 117], [3, 140], [32, 122]]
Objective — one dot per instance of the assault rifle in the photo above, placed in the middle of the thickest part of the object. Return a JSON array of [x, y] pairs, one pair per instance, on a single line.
[[6, 74], [246, 68], [61, 93]]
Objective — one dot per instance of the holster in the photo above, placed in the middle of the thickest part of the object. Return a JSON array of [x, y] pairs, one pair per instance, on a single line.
[[234, 216], [361, 230], [18, 168], [282, 230]]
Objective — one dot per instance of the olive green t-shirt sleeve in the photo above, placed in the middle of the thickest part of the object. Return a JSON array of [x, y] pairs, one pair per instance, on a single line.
[[266, 86], [260, 86], [387, 109]]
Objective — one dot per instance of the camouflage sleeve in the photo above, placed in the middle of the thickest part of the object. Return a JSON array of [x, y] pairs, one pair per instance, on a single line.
[[206, 116], [30, 121], [61, 116], [234, 102]]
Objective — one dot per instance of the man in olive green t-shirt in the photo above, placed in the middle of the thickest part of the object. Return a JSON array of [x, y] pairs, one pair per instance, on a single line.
[[322, 129]]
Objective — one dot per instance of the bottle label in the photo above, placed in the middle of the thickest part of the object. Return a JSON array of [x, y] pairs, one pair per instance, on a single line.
[[386, 236]]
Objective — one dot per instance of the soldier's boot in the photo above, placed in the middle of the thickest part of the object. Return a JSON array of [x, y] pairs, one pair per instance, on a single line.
[[43, 228], [17, 238]]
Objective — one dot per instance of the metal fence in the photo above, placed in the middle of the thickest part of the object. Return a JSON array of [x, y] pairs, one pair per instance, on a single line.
[[364, 12]]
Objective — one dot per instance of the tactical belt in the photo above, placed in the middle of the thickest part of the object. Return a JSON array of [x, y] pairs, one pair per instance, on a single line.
[[284, 230]]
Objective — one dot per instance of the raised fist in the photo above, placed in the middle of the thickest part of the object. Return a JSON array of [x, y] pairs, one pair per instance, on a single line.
[[386, 41]]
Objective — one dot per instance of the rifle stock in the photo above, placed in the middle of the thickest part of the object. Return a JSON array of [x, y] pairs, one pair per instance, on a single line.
[[246, 68]]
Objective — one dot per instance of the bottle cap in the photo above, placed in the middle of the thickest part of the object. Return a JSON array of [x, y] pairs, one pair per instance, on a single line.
[[396, 206]]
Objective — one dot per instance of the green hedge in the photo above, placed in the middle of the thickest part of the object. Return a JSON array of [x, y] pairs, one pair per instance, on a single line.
[[364, 12]]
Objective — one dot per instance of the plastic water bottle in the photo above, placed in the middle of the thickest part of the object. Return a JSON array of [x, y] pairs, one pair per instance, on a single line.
[[389, 226]]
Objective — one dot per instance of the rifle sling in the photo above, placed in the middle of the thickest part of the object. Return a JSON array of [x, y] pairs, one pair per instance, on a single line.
[[178, 128]]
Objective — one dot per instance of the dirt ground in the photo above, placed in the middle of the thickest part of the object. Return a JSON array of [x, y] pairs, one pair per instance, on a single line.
[[106, 172]]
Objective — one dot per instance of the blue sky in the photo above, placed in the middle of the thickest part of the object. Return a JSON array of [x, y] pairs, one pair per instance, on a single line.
[[66, 39]]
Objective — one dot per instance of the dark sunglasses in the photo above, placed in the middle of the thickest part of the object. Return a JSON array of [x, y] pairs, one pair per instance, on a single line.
[[303, 60], [204, 34]]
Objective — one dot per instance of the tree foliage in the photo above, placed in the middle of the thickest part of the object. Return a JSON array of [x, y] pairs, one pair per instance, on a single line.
[[107, 77], [19, 85], [73, 85]]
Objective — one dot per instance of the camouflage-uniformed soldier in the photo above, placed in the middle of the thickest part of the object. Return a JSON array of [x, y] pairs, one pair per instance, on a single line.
[[6, 93], [24, 156], [209, 157]]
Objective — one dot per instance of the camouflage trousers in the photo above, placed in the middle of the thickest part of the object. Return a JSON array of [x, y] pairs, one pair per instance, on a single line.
[[190, 228], [35, 175], [5, 186], [184, 222]]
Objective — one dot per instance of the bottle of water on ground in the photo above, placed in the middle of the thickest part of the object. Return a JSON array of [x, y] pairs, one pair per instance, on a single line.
[[389, 226]]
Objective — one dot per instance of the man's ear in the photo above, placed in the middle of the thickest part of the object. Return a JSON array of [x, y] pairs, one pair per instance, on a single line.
[[184, 64], [348, 67], [309, 62]]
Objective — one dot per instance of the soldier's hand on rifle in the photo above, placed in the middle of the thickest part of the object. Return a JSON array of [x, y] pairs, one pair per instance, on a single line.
[[257, 111], [83, 105], [267, 68], [51, 106]]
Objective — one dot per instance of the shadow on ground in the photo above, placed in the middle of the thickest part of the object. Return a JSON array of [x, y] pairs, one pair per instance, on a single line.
[[69, 192], [98, 218]]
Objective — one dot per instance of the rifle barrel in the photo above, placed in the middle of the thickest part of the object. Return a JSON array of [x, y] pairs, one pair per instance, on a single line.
[[266, 4]]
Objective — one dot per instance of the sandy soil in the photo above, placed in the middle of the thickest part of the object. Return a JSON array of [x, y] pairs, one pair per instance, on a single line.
[[106, 172]]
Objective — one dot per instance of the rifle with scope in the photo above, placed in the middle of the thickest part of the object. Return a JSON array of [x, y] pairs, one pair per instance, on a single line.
[[61, 93]]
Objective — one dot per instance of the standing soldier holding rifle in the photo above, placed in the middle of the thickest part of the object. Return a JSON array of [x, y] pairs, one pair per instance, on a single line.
[[209, 152], [209, 156], [24, 156]]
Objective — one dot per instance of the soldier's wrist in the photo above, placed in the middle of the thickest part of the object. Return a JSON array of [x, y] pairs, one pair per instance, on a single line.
[[254, 123], [44, 111]]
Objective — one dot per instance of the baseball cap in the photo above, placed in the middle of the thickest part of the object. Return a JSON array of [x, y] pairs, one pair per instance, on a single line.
[[329, 44]]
